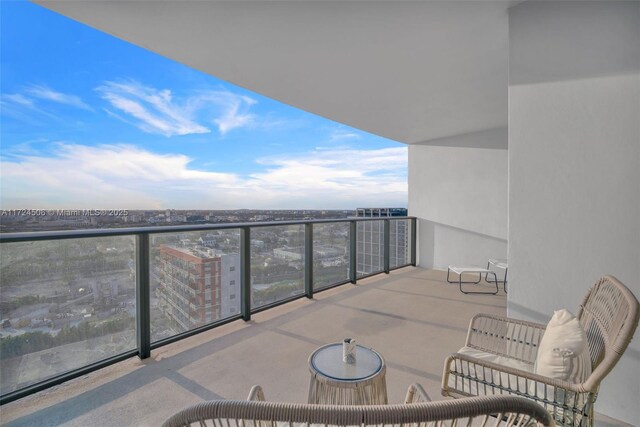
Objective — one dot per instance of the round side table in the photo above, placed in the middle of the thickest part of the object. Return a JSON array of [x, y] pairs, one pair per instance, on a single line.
[[335, 382]]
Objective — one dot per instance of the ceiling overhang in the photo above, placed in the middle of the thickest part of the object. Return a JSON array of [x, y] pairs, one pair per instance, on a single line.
[[409, 71]]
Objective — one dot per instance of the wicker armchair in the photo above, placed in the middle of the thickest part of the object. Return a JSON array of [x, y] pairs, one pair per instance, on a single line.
[[609, 316], [509, 411]]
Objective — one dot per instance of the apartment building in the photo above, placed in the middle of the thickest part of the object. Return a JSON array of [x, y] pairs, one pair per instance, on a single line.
[[196, 286]]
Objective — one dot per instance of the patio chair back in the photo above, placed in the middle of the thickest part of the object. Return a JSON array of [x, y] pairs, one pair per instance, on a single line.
[[488, 411], [609, 315]]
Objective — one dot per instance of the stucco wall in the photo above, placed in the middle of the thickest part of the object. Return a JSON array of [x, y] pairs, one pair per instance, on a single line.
[[459, 195], [574, 165]]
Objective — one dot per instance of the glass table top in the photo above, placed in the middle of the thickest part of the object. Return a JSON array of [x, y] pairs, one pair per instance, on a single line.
[[327, 361]]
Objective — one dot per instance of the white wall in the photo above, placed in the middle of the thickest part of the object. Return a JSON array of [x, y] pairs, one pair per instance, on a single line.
[[459, 194], [574, 165]]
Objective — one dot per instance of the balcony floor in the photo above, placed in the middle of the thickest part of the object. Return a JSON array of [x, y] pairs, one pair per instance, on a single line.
[[413, 317]]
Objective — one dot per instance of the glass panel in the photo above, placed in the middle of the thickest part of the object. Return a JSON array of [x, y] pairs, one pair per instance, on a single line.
[[64, 304], [330, 254], [399, 236], [277, 263], [369, 247], [195, 280]]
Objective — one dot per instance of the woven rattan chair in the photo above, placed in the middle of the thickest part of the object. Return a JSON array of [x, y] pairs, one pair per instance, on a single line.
[[509, 411], [609, 316]]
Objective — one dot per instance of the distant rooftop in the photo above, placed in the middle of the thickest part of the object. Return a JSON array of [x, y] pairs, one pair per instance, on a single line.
[[375, 212], [193, 252]]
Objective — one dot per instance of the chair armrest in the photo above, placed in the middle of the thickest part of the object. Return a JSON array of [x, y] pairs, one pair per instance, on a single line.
[[416, 394], [502, 377], [256, 394], [504, 336]]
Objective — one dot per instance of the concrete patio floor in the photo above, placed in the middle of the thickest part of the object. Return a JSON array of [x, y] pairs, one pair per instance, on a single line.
[[412, 317]]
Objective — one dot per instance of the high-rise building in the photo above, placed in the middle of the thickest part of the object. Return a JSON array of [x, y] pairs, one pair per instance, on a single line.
[[370, 240], [198, 287]]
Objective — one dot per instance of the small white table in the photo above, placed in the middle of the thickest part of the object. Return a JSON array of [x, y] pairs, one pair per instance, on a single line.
[[335, 382]]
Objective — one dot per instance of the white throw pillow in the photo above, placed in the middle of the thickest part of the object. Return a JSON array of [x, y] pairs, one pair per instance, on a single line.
[[564, 350]]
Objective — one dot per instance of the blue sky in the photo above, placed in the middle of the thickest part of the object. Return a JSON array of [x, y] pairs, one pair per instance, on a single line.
[[91, 121]]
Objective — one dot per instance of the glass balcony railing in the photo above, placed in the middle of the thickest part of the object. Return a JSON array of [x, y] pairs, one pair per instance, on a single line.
[[277, 264], [64, 305], [330, 254], [74, 301], [399, 242], [370, 248], [194, 280]]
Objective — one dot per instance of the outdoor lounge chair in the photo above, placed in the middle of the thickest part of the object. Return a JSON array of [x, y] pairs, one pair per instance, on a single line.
[[608, 315], [487, 411]]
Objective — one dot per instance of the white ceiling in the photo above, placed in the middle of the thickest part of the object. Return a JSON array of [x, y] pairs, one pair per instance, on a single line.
[[409, 71]]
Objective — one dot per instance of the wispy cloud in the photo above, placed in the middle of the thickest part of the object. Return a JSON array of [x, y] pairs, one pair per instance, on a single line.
[[48, 94], [337, 178], [33, 104], [232, 120], [18, 106], [234, 111], [158, 111], [18, 99], [153, 110], [343, 133], [101, 177], [23, 148], [124, 176]]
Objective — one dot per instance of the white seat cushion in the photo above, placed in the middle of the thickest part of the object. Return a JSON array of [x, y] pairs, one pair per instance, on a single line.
[[494, 358], [491, 376]]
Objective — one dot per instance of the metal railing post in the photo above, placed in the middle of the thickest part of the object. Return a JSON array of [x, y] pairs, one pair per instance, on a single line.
[[386, 244], [308, 260], [353, 231], [245, 272], [414, 240], [143, 303]]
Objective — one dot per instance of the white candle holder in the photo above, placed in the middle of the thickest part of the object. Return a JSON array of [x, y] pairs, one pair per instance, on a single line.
[[349, 351]]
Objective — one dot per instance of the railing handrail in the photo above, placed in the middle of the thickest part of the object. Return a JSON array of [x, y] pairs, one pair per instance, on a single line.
[[30, 236]]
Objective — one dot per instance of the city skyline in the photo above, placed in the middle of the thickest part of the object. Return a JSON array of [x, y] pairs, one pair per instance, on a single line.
[[93, 122]]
